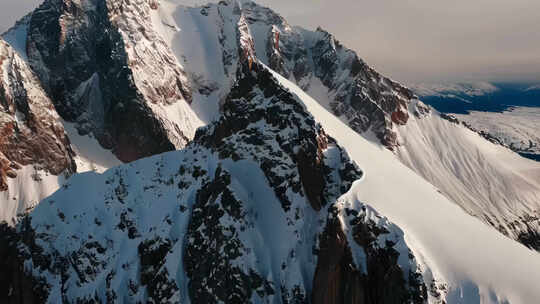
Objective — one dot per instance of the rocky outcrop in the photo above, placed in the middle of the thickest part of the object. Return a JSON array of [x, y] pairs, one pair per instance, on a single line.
[[31, 133], [304, 147], [106, 69], [18, 286], [368, 100], [246, 46], [154, 277], [339, 280], [212, 247], [421, 110], [336, 280]]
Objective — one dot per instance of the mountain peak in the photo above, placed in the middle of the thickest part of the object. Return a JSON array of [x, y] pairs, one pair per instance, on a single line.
[[261, 161]]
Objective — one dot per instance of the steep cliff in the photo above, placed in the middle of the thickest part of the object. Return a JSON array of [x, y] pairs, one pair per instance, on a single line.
[[35, 153]]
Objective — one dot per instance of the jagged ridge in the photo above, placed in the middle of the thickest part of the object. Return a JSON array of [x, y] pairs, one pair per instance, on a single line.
[[213, 238]]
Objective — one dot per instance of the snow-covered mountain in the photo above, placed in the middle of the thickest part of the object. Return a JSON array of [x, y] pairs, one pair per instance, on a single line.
[[251, 212], [297, 189], [387, 113], [369, 103], [312, 59], [244, 212], [120, 92]]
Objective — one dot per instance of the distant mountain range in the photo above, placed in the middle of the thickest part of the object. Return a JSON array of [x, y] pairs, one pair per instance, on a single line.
[[508, 114], [481, 96]]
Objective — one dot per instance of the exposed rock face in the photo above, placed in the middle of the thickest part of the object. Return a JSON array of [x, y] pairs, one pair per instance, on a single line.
[[107, 69], [339, 280], [529, 235], [229, 219], [368, 100], [377, 102], [246, 46], [313, 59], [19, 287], [421, 110], [30, 129], [304, 149]]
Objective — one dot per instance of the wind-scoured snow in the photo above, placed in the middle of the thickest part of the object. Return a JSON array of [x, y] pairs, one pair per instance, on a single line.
[[487, 180], [479, 264]]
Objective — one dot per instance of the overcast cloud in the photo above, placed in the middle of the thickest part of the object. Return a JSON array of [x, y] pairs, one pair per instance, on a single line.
[[414, 40]]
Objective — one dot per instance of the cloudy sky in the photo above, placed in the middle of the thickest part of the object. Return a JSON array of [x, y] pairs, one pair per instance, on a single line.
[[415, 40]]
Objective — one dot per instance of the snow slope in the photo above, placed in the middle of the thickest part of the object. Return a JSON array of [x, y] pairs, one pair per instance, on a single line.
[[487, 180], [206, 45], [25, 191], [478, 264]]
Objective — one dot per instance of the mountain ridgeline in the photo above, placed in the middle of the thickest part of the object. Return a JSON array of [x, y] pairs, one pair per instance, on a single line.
[[265, 163], [238, 182]]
